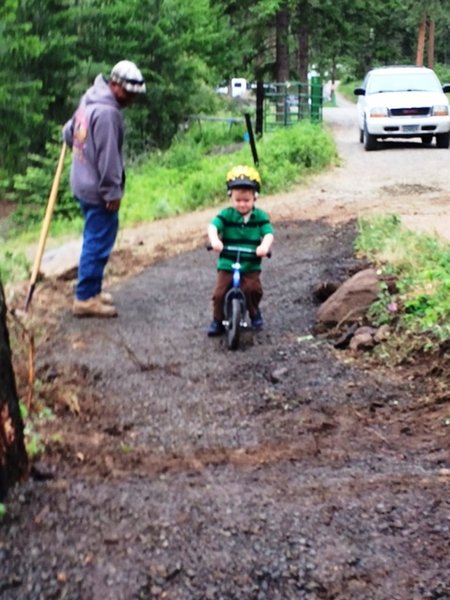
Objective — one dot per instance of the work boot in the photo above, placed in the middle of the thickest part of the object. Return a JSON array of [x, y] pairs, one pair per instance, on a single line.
[[93, 307], [106, 298]]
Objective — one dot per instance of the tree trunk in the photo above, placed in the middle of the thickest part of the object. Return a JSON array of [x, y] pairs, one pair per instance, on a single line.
[[302, 68], [13, 456], [421, 41], [282, 62], [303, 53], [282, 47], [431, 29]]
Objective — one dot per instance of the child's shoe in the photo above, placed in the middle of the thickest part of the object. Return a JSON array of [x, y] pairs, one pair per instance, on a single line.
[[215, 328], [257, 321]]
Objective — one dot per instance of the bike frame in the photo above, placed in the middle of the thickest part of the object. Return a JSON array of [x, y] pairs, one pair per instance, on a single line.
[[235, 291], [235, 304]]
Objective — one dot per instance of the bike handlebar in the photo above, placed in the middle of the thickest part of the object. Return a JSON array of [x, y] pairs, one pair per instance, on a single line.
[[239, 249]]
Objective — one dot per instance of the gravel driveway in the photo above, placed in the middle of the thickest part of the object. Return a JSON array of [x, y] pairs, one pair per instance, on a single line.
[[177, 469]]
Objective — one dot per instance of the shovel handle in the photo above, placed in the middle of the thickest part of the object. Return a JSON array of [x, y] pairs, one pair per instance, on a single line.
[[46, 223]]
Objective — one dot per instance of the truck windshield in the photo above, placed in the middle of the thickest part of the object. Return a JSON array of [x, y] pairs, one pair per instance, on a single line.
[[403, 82]]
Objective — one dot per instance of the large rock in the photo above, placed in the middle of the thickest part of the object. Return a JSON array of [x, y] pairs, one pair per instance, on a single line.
[[351, 300], [62, 262]]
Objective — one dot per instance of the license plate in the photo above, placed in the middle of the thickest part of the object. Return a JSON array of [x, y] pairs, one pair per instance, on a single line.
[[410, 128]]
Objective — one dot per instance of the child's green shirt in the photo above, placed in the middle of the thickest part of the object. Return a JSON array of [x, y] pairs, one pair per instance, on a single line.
[[234, 231]]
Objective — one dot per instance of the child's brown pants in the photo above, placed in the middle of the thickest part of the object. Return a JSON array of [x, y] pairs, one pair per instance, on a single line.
[[250, 285]]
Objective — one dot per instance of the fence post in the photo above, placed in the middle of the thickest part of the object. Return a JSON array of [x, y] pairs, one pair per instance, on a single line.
[[259, 121], [316, 99], [251, 138]]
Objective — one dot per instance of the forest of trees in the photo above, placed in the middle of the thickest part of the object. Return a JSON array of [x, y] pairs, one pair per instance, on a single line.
[[51, 50]]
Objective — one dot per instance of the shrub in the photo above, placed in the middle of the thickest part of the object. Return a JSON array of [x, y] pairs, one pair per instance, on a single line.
[[421, 266], [189, 175]]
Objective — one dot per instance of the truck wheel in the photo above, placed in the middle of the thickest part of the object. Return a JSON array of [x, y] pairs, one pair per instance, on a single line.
[[370, 141], [442, 140]]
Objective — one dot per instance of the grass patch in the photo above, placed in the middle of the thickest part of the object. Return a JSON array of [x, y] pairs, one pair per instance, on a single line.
[[191, 174], [420, 308], [188, 176], [13, 265], [346, 89]]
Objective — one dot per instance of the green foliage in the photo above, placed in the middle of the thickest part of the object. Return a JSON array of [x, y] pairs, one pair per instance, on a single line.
[[346, 89], [34, 443], [208, 135], [35, 61], [443, 72], [2, 510], [374, 234], [31, 190], [188, 176], [176, 44], [13, 265], [51, 51], [291, 152], [421, 267], [33, 439], [191, 174], [20, 97], [381, 312]]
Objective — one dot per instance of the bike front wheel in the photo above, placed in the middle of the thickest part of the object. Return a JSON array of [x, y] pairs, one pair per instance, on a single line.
[[234, 324]]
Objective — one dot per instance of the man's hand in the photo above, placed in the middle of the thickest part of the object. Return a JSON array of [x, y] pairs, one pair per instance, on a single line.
[[113, 205]]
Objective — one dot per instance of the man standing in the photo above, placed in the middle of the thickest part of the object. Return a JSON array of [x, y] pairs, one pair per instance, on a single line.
[[97, 178]]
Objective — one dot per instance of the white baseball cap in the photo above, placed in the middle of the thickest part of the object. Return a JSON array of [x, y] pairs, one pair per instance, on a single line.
[[126, 74]]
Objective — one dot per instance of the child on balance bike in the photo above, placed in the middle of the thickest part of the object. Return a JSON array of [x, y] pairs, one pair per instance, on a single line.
[[245, 226]]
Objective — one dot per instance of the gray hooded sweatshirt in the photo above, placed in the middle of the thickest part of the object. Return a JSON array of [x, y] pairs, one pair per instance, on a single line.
[[95, 134]]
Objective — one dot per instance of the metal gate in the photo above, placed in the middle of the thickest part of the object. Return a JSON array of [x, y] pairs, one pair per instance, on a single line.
[[290, 102]]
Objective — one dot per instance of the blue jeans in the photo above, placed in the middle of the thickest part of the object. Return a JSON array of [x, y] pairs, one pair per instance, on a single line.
[[99, 235]]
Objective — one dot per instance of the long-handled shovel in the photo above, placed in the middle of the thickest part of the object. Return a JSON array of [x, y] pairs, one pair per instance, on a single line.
[[46, 225]]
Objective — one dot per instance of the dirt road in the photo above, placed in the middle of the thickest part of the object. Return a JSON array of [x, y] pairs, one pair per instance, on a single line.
[[285, 470]]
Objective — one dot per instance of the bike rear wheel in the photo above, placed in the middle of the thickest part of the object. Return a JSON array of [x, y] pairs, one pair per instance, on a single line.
[[234, 324]]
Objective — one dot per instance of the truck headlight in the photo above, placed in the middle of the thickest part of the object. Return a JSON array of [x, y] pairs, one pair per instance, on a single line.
[[440, 110], [379, 111]]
